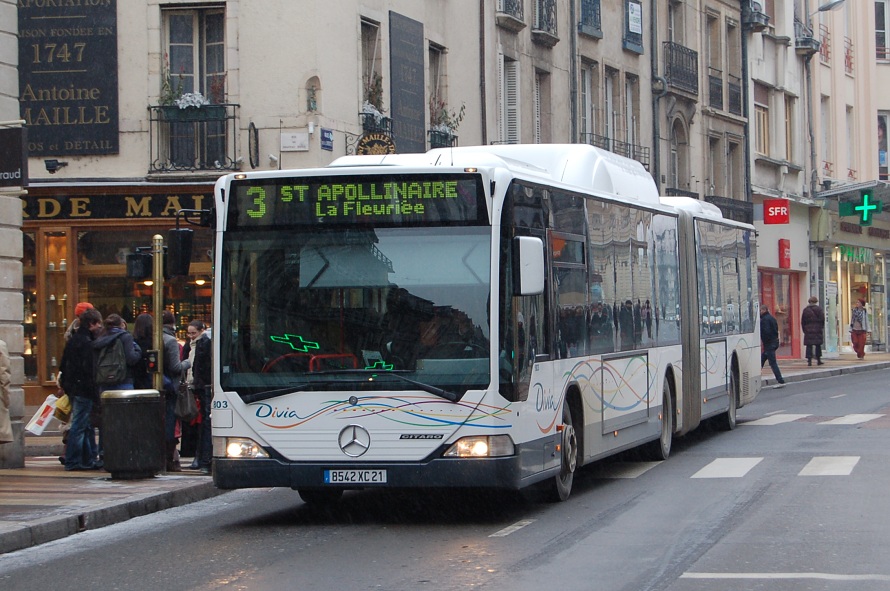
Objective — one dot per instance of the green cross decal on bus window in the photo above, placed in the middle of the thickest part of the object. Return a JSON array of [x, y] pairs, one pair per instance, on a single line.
[[865, 209], [296, 342]]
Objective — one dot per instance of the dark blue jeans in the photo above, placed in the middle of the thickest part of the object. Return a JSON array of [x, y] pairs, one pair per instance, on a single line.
[[81, 447], [769, 354]]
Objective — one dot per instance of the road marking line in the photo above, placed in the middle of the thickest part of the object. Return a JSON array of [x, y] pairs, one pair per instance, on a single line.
[[727, 468], [839, 396], [830, 466], [851, 420], [512, 528], [777, 419], [825, 576]]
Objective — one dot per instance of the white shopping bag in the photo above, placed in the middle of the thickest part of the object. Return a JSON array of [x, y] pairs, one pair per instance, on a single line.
[[43, 416]]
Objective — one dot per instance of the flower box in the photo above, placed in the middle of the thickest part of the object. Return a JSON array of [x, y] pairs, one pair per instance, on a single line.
[[189, 114], [442, 139]]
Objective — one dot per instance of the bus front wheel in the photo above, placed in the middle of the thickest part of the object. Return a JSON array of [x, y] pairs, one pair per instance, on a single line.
[[561, 487]]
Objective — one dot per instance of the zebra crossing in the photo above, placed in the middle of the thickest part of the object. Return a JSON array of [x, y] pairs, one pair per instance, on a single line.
[[739, 467]]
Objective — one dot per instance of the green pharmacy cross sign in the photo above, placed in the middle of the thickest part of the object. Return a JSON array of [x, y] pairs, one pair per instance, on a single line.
[[296, 342], [864, 210]]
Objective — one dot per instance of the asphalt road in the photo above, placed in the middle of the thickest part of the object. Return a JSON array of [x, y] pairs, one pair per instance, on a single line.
[[794, 499]]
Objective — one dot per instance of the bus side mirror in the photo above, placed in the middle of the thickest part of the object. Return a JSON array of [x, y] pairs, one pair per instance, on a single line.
[[528, 266], [179, 251]]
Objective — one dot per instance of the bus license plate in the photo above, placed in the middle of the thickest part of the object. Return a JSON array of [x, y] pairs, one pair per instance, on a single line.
[[355, 476]]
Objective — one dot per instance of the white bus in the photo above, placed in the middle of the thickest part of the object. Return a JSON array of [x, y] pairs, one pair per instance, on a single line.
[[488, 317]]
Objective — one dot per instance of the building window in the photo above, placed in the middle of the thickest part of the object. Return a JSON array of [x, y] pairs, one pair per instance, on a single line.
[[883, 170], [825, 123], [588, 101], [715, 163], [734, 176], [675, 22], [881, 27], [633, 26], [631, 112], [195, 54], [610, 107], [372, 69], [789, 128], [761, 119], [508, 121]]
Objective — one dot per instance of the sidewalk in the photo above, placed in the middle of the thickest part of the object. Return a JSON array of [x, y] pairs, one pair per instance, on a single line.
[[42, 502]]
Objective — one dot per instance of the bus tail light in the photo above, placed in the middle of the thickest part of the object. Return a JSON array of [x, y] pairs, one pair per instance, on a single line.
[[237, 447], [481, 446]]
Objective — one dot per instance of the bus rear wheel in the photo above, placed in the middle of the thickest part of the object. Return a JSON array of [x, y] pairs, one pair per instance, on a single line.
[[320, 496], [561, 487], [660, 449], [728, 420]]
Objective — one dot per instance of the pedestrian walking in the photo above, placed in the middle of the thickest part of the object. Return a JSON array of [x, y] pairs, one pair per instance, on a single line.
[[859, 328], [769, 336], [812, 322], [173, 369]]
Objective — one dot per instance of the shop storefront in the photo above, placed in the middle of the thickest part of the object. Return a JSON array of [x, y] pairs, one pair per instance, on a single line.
[[76, 240], [851, 242], [783, 264]]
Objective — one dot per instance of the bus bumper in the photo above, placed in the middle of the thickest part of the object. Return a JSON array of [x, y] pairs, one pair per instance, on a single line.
[[500, 473]]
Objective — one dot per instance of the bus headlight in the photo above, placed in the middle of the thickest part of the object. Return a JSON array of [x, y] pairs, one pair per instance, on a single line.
[[237, 447], [481, 446]]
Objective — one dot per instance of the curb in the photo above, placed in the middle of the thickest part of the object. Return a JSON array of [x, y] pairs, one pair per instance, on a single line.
[[17, 537], [812, 374]]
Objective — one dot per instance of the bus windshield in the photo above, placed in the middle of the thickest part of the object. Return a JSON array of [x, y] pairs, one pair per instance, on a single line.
[[314, 307]]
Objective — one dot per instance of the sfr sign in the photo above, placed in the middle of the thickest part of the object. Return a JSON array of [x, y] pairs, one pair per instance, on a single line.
[[776, 211]]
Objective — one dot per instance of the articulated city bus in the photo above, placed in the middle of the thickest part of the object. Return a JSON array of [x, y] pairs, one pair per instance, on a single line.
[[486, 317]]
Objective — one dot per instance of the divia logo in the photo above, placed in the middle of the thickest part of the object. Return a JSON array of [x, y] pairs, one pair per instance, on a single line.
[[266, 411], [545, 402]]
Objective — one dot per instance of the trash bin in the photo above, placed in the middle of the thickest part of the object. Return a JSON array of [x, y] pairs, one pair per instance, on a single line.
[[133, 433]]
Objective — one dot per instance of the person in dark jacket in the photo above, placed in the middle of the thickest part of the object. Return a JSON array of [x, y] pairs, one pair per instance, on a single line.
[[173, 370], [197, 352], [812, 321], [116, 328], [79, 382], [769, 335]]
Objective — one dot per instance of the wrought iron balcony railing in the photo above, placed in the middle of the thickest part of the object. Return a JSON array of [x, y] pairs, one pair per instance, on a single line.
[[681, 67], [510, 15], [442, 139], [544, 29], [715, 88], [591, 19], [633, 151], [734, 90], [372, 123], [193, 139]]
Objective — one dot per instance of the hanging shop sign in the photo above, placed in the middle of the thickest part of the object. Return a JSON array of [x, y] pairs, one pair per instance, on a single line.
[[375, 144], [865, 209], [784, 253], [776, 211], [13, 157]]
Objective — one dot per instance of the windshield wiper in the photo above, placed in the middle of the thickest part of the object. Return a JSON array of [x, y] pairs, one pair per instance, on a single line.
[[266, 395], [446, 394]]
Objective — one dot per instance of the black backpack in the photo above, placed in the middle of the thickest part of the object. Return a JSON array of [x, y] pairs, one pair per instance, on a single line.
[[111, 365]]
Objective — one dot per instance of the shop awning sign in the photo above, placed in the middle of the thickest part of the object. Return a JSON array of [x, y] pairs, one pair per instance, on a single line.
[[865, 209]]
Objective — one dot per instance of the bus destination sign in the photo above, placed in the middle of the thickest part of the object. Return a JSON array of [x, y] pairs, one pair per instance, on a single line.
[[401, 199]]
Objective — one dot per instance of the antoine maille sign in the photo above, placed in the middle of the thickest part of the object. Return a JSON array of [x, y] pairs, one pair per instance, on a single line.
[[104, 206]]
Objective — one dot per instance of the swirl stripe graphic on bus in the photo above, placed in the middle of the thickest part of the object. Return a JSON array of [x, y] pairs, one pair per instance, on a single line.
[[402, 413], [586, 375]]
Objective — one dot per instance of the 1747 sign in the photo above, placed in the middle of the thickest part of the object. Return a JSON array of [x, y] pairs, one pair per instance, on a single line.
[[68, 76]]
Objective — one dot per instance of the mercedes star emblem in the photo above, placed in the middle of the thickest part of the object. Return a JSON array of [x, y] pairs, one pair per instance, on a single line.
[[354, 440]]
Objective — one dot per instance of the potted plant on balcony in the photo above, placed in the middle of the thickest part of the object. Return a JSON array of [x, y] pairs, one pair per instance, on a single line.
[[373, 118], [444, 122], [177, 105]]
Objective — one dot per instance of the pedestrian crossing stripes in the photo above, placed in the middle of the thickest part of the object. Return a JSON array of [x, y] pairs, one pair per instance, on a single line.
[[721, 468], [779, 419]]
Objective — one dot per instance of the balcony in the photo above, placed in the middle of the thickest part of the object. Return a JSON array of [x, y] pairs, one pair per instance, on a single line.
[[441, 139], [544, 30], [848, 55], [633, 151], [193, 139], [591, 19], [715, 88], [824, 45], [734, 88], [510, 16], [754, 18], [373, 123], [681, 67], [805, 44]]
